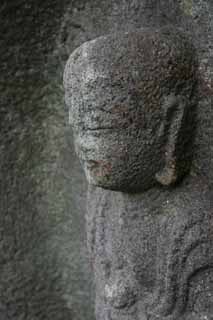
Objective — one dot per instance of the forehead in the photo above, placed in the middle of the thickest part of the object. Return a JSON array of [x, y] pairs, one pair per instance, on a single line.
[[113, 58], [105, 73], [127, 68]]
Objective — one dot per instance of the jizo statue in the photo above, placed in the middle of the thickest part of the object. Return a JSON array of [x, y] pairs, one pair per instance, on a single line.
[[132, 101]]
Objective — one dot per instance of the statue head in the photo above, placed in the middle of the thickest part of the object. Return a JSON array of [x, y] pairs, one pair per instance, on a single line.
[[131, 107]]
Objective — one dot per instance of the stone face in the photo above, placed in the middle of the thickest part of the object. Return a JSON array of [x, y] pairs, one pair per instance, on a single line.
[[122, 91], [132, 99]]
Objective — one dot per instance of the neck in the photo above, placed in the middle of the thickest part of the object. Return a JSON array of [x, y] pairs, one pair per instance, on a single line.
[[107, 200]]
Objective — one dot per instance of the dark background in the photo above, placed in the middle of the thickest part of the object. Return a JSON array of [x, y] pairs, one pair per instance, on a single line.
[[44, 267]]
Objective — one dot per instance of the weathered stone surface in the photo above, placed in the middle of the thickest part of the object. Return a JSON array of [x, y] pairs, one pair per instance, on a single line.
[[152, 252], [123, 91], [43, 261], [36, 160], [132, 100], [98, 18]]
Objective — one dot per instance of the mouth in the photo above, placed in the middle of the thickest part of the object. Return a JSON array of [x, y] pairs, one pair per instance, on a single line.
[[98, 130]]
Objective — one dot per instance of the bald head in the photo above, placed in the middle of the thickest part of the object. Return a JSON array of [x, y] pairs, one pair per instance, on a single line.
[[117, 87]]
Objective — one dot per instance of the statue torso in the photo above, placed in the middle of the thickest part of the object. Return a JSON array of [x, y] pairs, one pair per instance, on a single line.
[[158, 244]]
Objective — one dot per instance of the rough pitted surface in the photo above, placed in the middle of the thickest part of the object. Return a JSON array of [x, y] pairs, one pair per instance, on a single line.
[[97, 18], [36, 40], [43, 260], [152, 253], [114, 86], [132, 105]]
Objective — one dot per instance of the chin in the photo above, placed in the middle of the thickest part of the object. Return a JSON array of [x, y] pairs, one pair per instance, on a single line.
[[110, 181], [120, 186]]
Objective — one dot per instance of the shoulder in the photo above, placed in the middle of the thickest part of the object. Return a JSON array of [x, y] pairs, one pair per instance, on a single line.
[[188, 207]]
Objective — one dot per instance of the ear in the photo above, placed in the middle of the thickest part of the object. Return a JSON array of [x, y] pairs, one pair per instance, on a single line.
[[175, 111]]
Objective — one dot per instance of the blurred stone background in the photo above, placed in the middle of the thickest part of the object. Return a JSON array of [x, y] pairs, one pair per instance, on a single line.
[[45, 273]]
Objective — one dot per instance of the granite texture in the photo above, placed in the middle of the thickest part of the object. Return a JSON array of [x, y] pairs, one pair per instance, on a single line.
[[152, 254], [43, 258], [45, 272], [124, 92], [132, 99]]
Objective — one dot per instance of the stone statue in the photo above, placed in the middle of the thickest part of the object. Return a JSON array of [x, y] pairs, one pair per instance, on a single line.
[[132, 103]]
